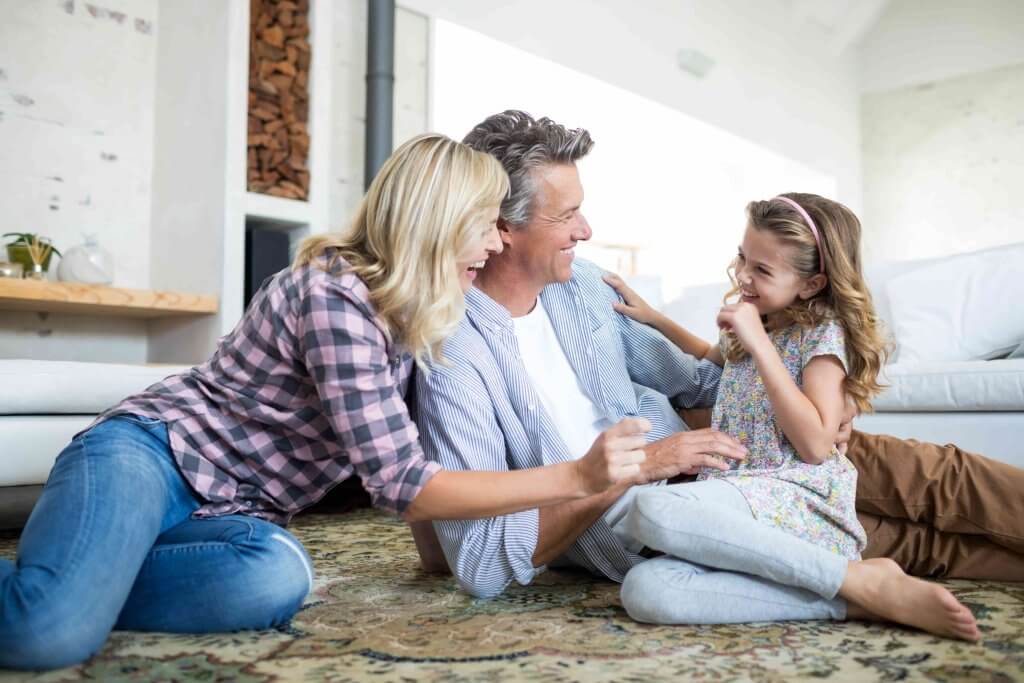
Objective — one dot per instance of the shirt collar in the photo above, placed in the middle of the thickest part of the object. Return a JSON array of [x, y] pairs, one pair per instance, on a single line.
[[486, 313]]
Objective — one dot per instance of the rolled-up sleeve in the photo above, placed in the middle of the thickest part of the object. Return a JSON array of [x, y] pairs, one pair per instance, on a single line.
[[346, 355], [460, 431]]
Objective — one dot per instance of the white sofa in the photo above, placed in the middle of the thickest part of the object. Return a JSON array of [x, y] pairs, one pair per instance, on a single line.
[[944, 307], [946, 315], [42, 405]]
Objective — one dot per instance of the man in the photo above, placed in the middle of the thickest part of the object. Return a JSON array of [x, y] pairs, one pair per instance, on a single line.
[[542, 363]]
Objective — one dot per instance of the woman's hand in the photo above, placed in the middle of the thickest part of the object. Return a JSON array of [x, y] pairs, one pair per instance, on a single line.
[[688, 453], [745, 322], [615, 456], [635, 307]]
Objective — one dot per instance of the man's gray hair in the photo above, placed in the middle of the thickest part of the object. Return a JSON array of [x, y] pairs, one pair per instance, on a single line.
[[522, 144]]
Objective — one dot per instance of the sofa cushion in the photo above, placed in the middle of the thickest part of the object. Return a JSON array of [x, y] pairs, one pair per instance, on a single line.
[[964, 307], [995, 435], [953, 386], [34, 442], [49, 387]]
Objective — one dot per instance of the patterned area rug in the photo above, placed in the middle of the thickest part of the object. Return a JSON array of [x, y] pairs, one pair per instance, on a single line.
[[375, 616]]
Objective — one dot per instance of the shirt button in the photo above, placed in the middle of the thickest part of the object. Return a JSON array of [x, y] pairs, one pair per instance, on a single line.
[[590, 351], [533, 407]]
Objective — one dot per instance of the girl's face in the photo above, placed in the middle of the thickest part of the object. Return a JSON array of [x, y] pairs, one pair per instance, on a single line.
[[483, 242], [763, 271]]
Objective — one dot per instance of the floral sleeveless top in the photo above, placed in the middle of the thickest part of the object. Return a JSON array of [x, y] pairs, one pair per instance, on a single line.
[[813, 502]]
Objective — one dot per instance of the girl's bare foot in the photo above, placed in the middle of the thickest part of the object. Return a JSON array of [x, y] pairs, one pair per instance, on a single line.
[[878, 589]]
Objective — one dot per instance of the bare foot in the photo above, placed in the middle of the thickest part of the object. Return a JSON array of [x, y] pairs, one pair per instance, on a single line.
[[878, 589]]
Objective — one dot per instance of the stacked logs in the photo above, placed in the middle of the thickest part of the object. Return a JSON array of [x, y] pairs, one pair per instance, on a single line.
[[279, 57]]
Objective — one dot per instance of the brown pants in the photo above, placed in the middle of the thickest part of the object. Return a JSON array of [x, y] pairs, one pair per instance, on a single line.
[[938, 511]]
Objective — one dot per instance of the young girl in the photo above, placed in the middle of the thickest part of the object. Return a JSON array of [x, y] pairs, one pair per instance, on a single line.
[[800, 341]]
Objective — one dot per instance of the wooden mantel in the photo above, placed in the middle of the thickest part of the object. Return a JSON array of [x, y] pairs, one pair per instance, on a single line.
[[64, 297]]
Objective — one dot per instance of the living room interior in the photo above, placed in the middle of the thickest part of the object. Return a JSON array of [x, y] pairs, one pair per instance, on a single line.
[[169, 175]]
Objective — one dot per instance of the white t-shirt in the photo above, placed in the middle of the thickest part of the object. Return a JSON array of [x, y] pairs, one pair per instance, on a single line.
[[577, 418]]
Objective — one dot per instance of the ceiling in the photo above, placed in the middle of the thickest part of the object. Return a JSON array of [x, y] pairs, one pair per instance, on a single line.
[[842, 23]]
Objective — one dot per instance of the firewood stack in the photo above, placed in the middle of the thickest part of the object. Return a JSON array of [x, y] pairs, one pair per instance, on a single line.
[[279, 57]]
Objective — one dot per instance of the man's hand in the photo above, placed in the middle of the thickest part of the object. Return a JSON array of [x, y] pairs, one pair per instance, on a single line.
[[615, 456], [846, 427], [431, 555], [688, 453]]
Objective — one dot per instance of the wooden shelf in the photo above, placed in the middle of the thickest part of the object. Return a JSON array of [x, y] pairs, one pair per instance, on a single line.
[[63, 297], [278, 209]]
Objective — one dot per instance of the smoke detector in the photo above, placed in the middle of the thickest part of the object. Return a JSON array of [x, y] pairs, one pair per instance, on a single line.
[[694, 62]]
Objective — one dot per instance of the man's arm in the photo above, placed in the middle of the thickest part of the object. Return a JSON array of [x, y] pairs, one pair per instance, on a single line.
[[463, 545], [652, 360], [458, 429], [560, 526], [655, 362]]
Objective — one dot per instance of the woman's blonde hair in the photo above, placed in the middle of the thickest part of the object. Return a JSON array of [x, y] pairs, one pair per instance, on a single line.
[[845, 297], [426, 204]]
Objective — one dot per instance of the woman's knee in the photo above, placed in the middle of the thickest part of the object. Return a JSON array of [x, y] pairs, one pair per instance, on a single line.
[[280, 573], [291, 560]]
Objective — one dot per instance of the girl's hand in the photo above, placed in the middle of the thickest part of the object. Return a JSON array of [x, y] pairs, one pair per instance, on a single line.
[[615, 456], [744, 320], [635, 307]]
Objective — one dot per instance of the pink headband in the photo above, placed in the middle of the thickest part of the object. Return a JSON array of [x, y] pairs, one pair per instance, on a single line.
[[810, 223]]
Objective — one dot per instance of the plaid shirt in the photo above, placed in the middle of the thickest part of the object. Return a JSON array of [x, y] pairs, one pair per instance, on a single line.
[[306, 390]]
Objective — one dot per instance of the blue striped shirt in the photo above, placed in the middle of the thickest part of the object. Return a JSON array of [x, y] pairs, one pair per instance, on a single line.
[[481, 413]]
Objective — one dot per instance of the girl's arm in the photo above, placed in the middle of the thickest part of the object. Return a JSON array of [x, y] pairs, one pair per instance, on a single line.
[[809, 417], [638, 309]]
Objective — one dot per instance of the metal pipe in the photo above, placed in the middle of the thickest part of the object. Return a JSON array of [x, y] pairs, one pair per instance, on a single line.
[[380, 85]]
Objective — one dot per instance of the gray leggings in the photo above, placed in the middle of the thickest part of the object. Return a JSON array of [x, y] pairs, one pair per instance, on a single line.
[[722, 566]]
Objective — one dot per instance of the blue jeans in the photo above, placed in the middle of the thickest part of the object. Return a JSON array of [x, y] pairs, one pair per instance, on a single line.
[[111, 544], [722, 565]]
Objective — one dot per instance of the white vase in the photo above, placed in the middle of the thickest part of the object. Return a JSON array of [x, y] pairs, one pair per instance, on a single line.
[[87, 263]]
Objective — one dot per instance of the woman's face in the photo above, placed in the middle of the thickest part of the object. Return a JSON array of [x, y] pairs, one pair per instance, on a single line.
[[483, 242]]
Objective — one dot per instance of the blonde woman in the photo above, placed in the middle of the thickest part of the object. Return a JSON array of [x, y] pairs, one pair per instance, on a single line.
[[167, 513]]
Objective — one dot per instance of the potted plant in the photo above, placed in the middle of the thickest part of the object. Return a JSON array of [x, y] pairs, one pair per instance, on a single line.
[[32, 251]]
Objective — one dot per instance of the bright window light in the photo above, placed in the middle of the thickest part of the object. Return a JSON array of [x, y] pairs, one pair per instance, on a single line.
[[666, 190]]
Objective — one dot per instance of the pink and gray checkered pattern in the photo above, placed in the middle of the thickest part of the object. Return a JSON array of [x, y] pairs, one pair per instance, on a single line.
[[307, 390]]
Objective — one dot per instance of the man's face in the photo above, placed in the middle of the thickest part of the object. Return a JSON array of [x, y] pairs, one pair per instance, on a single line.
[[543, 248]]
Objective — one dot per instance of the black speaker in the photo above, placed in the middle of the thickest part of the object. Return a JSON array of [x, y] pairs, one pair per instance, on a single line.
[[266, 253]]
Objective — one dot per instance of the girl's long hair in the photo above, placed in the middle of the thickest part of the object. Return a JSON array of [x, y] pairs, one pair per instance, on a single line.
[[844, 298], [429, 200]]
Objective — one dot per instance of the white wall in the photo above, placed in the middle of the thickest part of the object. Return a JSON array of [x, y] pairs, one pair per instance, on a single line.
[[944, 166], [348, 72], [81, 100], [919, 41], [76, 127], [943, 128], [770, 84], [675, 196], [198, 173]]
